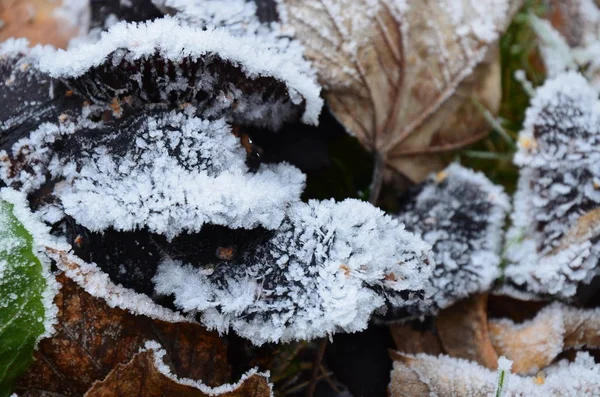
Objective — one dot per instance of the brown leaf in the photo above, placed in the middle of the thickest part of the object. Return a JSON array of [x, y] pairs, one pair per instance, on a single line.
[[535, 344], [409, 340], [463, 331], [92, 338], [147, 376], [35, 20], [401, 78], [444, 376]]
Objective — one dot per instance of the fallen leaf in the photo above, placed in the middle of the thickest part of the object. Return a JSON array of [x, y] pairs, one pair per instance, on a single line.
[[35, 20], [463, 331], [411, 340], [26, 291], [92, 338], [146, 375], [401, 75], [424, 375], [534, 344]]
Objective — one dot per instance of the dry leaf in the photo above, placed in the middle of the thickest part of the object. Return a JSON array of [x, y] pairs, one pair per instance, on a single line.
[[146, 375], [534, 344], [444, 376], [401, 75], [92, 338], [35, 20], [463, 331], [410, 340]]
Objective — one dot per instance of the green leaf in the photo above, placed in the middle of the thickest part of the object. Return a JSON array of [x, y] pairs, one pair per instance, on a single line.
[[22, 289]]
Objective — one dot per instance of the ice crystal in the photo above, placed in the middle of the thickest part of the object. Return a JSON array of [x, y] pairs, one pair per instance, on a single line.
[[165, 62], [169, 173], [552, 244], [461, 214], [326, 269]]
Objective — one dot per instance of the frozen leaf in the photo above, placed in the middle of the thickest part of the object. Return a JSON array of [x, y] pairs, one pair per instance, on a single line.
[[569, 39], [325, 269], [552, 245], [535, 344], [26, 289], [92, 338], [415, 338], [394, 72], [168, 173], [423, 375], [463, 331], [147, 375], [29, 98], [165, 63], [461, 214]]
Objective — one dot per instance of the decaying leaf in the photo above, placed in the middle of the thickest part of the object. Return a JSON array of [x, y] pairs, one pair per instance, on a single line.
[[92, 338], [147, 375], [326, 269], [412, 339], [396, 72], [552, 246], [443, 376], [463, 331], [461, 214], [534, 344]]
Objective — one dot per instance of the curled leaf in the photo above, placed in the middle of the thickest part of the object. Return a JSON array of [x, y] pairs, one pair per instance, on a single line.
[[423, 375], [149, 376], [395, 72], [461, 214], [464, 333], [325, 269], [552, 246], [92, 338], [534, 344], [167, 63]]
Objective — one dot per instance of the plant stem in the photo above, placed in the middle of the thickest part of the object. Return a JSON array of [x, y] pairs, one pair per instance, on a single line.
[[377, 179], [310, 391]]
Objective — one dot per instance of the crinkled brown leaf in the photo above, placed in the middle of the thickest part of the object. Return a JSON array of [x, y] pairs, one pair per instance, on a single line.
[[92, 338], [463, 331], [35, 20], [444, 376], [535, 344], [147, 376], [401, 75], [410, 340]]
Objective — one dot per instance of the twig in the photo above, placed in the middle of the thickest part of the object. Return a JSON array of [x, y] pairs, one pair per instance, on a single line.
[[377, 179], [314, 376]]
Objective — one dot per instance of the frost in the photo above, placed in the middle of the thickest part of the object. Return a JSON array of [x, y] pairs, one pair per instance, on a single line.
[[461, 214], [326, 269], [159, 361], [40, 238], [445, 376], [552, 243], [217, 72], [98, 284], [170, 173], [578, 48]]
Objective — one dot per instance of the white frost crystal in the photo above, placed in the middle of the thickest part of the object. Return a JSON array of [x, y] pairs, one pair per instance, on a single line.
[[187, 63], [552, 245], [461, 214], [326, 269], [171, 173]]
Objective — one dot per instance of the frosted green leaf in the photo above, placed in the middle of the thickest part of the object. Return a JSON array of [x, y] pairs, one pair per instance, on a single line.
[[23, 292]]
